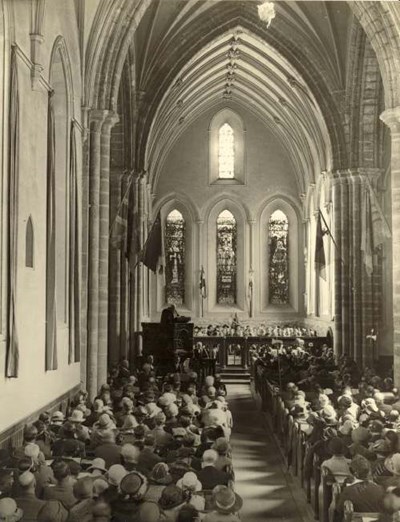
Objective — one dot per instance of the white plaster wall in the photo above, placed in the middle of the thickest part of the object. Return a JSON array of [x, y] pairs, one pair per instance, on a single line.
[[34, 388]]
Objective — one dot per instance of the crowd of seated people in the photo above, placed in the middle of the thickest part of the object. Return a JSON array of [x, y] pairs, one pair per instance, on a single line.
[[146, 449], [350, 416], [235, 328]]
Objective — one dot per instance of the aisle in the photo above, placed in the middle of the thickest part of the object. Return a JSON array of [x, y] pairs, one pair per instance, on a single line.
[[267, 491]]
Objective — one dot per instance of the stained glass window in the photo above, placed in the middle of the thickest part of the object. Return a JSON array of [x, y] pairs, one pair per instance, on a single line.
[[175, 258], [226, 152], [226, 258], [278, 233]]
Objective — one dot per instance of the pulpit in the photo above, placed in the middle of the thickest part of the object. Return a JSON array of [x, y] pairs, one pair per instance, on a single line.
[[165, 341]]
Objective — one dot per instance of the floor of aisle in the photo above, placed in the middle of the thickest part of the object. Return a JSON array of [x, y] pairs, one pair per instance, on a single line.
[[268, 491]]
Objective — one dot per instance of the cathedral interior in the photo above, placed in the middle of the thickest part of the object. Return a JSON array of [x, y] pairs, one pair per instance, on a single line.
[[233, 162]]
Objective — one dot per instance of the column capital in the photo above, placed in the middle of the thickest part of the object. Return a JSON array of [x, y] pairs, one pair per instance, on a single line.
[[391, 118]]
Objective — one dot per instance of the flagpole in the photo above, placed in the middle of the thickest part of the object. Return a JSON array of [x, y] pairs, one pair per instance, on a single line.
[[331, 236]]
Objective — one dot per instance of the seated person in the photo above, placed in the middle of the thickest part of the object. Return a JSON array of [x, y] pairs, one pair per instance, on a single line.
[[365, 495], [338, 465]]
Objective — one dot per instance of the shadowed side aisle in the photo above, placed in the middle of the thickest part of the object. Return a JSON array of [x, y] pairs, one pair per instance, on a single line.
[[267, 490]]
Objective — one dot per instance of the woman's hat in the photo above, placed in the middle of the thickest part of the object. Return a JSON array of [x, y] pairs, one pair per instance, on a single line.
[[171, 497], [190, 482], [105, 422], [9, 509], [226, 500], [98, 464], [57, 416], [160, 474], [77, 416], [134, 484], [115, 474]]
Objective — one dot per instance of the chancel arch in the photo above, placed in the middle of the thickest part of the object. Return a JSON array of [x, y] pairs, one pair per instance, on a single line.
[[280, 259]]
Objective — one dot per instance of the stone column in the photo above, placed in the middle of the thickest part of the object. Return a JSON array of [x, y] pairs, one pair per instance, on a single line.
[[104, 233], [252, 306], [391, 117], [97, 118], [337, 232], [200, 250]]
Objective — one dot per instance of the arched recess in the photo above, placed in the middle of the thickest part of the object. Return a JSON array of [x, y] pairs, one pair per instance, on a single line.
[[29, 244], [231, 118], [60, 79], [158, 294], [210, 250], [296, 266]]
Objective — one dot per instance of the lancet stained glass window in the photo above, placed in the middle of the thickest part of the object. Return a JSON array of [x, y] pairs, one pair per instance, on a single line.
[[175, 258], [226, 152], [226, 258], [278, 233]]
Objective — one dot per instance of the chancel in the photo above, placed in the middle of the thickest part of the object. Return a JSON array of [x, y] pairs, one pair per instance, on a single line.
[[199, 260]]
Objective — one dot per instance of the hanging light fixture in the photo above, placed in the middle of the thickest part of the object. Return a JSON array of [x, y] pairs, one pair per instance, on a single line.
[[266, 12]]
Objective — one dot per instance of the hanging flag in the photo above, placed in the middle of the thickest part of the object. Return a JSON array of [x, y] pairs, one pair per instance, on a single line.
[[119, 227], [12, 354], [152, 250], [367, 240], [203, 284], [320, 260]]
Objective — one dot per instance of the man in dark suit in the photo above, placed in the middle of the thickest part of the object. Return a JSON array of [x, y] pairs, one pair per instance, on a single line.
[[210, 476], [169, 316]]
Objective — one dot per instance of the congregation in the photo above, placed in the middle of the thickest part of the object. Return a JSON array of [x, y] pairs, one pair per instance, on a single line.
[[148, 448], [348, 419]]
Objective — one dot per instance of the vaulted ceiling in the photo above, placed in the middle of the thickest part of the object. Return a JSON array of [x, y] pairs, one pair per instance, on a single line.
[[193, 54]]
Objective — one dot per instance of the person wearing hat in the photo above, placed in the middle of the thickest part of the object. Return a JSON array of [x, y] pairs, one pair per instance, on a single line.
[[131, 503], [9, 511], [43, 473], [360, 438], [97, 410], [44, 438], [226, 504], [392, 464], [148, 457], [222, 447], [81, 432], [56, 422], [209, 475], [114, 477], [190, 485], [365, 495], [63, 489], [171, 501], [108, 449], [103, 425], [26, 498], [130, 456], [97, 467], [161, 436], [68, 445], [83, 491], [159, 479]]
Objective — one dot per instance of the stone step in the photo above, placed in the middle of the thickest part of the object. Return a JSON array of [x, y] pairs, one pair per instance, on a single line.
[[236, 380]]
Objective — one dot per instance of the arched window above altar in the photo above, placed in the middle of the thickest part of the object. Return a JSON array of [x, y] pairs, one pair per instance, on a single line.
[[226, 258], [175, 258], [226, 152], [278, 271]]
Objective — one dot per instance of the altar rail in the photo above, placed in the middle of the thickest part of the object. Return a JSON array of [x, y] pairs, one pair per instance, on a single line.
[[242, 345]]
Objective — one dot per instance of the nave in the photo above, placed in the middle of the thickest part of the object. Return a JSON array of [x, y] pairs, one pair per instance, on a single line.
[[261, 475]]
